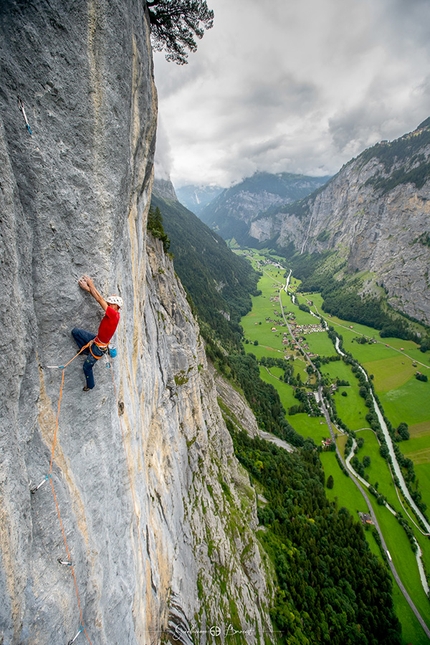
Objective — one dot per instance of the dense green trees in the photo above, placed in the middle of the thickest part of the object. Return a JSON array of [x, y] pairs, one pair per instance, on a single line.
[[331, 589], [341, 298], [263, 398], [175, 24], [218, 281], [155, 226]]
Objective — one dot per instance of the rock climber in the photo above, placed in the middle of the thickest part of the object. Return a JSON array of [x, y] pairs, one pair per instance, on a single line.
[[107, 328]]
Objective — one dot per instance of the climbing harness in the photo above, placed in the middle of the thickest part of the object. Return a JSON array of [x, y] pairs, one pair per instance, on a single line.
[[100, 348], [21, 107]]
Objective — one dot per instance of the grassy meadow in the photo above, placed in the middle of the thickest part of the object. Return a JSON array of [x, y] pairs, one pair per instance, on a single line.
[[393, 364]]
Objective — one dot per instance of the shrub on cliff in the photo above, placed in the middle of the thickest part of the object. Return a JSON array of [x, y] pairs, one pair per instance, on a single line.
[[176, 23]]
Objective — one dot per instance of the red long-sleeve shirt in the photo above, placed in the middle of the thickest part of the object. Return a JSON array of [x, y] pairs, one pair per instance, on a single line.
[[108, 325]]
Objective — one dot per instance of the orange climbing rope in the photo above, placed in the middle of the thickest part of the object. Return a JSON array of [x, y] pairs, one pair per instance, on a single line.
[[51, 465]]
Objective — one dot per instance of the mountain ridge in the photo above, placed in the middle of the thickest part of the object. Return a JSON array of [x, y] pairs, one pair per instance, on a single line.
[[232, 212]]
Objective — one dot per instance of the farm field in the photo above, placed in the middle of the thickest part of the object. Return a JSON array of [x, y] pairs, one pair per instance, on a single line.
[[403, 558], [350, 408], [403, 398], [412, 632], [378, 473]]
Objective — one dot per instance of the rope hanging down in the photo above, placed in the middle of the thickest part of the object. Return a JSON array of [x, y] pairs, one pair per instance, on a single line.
[[69, 561]]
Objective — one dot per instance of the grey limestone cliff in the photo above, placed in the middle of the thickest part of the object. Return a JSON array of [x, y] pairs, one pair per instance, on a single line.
[[150, 508]]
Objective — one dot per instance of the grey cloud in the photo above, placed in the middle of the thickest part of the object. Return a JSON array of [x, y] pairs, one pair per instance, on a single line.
[[300, 87]]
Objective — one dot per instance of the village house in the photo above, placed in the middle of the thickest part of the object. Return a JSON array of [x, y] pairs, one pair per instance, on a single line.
[[365, 518]]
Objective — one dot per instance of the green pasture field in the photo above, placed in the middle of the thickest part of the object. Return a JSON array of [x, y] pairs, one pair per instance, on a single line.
[[412, 632], [284, 390], [409, 403], [403, 558], [300, 368], [390, 373], [263, 350], [344, 490], [351, 408], [378, 471], [320, 343], [313, 427], [417, 448]]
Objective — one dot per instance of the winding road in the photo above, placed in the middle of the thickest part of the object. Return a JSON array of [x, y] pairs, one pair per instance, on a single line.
[[357, 483]]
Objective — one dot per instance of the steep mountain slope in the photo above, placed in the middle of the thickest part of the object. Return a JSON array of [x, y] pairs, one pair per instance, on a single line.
[[375, 215], [220, 281], [134, 504], [195, 198], [233, 211]]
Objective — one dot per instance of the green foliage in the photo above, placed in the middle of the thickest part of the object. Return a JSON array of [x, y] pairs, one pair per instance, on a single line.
[[330, 586], [425, 344], [263, 398], [424, 239], [341, 299], [421, 377], [403, 432], [155, 226], [417, 176], [218, 281], [330, 482], [176, 23], [402, 160]]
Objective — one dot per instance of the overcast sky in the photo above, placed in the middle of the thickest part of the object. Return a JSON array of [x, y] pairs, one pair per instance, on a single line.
[[292, 86]]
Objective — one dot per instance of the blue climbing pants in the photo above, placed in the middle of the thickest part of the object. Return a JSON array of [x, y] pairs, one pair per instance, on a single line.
[[83, 337]]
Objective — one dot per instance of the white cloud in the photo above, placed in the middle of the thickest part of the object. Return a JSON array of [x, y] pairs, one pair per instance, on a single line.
[[294, 86]]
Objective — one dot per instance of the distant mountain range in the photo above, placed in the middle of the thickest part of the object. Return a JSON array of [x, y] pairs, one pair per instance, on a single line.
[[195, 198], [232, 212], [373, 216], [371, 220]]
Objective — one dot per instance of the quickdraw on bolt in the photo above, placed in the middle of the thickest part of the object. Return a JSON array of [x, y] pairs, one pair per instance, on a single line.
[[67, 563], [81, 629], [36, 488], [21, 107]]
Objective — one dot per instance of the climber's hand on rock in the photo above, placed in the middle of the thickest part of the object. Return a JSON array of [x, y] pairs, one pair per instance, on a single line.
[[89, 281], [83, 283]]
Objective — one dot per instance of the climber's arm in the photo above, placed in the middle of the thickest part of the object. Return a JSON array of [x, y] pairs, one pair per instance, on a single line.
[[87, 284]]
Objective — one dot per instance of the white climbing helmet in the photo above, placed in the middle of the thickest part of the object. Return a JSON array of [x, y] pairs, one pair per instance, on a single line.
[[115, 300]]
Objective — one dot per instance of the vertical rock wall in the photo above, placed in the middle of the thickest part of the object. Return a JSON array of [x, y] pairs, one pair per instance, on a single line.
[[155, 512]]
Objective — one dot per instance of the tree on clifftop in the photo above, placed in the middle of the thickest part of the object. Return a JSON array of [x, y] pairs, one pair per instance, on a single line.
[[176, 23]]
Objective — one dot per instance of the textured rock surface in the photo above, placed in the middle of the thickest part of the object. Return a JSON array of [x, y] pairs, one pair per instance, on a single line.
[[156, 512]]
